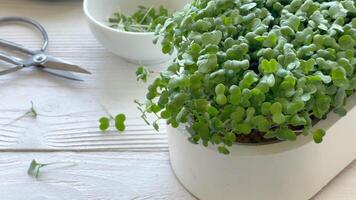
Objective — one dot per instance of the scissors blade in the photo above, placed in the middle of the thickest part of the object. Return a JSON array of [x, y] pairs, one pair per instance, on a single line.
[[59, 64], [8, 71], [60, 73]]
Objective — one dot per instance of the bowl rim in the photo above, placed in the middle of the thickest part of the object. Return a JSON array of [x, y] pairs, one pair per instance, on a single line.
[[102, 25]]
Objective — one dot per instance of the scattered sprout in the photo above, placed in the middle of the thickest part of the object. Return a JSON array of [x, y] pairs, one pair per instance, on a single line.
[[35, 167], [119, 120], [142, 73], [318, 135], [30, 113]]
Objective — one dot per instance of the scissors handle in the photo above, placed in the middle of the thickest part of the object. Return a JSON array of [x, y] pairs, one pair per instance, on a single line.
[[16, 47], [31, 22]]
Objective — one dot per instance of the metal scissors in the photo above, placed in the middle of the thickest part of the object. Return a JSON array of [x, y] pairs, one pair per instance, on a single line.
[[36, 58]]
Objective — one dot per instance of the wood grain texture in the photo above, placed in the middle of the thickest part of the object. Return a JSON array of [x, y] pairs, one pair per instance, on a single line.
[[115, 176], [96, 176], [67, 121]]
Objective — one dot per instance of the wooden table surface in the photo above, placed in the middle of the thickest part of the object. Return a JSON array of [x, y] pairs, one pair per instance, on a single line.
[[111, 166]]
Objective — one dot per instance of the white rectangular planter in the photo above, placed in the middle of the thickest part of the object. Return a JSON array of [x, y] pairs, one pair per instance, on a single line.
[[280, 171]]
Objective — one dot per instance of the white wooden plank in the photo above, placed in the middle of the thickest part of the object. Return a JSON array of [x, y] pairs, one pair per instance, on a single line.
[[115, 176], [343, 187]]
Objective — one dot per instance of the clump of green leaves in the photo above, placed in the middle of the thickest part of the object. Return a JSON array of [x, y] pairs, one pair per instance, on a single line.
[[248, 69], [119, 121], [143, 20]]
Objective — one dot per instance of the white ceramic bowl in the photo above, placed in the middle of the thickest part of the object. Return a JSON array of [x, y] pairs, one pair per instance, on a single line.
[[134, 47]]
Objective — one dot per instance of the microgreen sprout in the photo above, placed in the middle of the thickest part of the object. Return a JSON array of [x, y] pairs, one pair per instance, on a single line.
[[143, 20], [35, 167], [142, 73], [119, 121], [30, 113]]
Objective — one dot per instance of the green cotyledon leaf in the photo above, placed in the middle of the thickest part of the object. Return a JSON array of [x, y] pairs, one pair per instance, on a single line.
[[207, 63]]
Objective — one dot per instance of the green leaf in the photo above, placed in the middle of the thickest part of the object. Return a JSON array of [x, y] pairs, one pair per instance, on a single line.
[[220, 89], [286, 134], [318, 135], [33, 111], [349, 5], [120, 117], [229, 139], [249, 78], [202, 25], [221, 99], [243, 128], [120, 126], [293, 22], [338, 75], [207, 63], [212, 38], [187, 59], [266, 108], [271, 40], [276, 108], [341, 111], [325, 78], [155, 126], [223, 150], [120, 122], [165, 114], [346, 42], [268, 79], [340, 98], [296, 120], [295, 107], [142, 73], [270, 134], [216, 139], [238, 115], [104, 123], [278, 118], [202, 129], [212, 111], [34, 169], [248, 6], [261, 123], [201, 105], [336, 10], [236, 65], [269, 67]]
